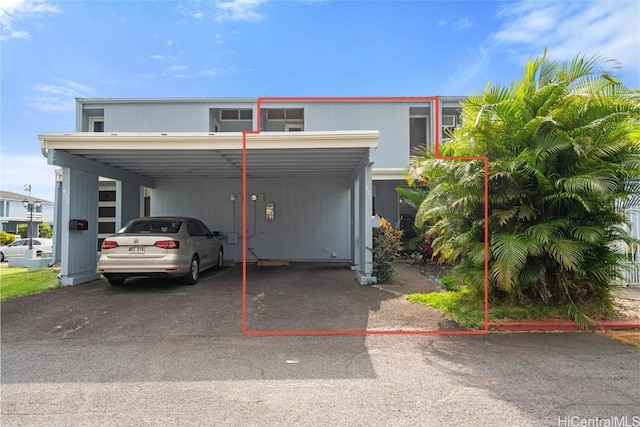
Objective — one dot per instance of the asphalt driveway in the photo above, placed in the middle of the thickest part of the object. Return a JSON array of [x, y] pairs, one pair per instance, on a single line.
[[153, 353]]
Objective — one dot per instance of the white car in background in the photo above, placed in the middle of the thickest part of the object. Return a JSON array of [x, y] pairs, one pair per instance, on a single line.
[[19, 248]]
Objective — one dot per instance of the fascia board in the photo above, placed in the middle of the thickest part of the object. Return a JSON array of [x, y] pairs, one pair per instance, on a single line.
[[206, 141], [379, 174]]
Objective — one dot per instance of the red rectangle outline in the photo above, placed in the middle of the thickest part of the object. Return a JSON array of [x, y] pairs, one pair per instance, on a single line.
[[436, 102]]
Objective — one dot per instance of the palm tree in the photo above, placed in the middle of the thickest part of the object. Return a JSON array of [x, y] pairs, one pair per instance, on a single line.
[[564, 161]]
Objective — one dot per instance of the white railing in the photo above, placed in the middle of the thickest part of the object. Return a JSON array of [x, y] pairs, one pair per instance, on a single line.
[[631, 274]]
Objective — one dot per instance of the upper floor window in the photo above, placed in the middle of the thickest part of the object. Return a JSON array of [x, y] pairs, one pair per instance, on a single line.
[[236, 114], [449, 121], [96, 124], [286, 114], [418, 131], [293, 127]]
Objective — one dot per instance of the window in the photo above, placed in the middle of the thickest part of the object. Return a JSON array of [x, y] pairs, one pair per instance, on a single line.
[[96, 124], [204, 230], [106, 227], [418, 132], [286, 114], [193, 229], [107, 196], [107, 212], [275, 114], [155, 226], [236, 114], [448, 121], [291, 127]]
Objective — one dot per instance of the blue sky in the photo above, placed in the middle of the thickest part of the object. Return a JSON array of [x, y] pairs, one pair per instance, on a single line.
[[54, 51]]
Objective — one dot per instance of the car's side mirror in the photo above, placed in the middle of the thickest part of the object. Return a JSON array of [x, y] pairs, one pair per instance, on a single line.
[[218, 235]]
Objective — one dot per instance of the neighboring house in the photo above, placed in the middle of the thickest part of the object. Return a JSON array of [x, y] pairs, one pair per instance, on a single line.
[[13, 212], [318, 169]]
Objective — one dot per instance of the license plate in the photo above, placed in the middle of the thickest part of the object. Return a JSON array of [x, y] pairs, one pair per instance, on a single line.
[[136, 249]]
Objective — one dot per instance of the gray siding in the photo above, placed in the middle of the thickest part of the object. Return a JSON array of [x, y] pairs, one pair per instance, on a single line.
[[235, 125], [312, 216], [391, 119], [156, 118], [81, 188]]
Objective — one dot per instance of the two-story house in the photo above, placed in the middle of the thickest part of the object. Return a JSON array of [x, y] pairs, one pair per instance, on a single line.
[[14, 213], [314, 171]]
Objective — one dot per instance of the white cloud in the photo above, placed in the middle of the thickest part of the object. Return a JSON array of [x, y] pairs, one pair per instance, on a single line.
[[458, 25], [473, 64], [14, 11], [207, 73], [607, 28], [159, 57], [221, 10], [462, 24], [58, 97], [19, 169], [238, 10], [178, 68], [601, 27]]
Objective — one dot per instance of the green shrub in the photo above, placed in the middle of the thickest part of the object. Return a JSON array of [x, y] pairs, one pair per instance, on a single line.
[[45, 231], [386, 244], [6, 238]]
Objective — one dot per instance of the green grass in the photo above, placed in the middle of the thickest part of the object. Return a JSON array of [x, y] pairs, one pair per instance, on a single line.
[[456, 306], [18, 281]]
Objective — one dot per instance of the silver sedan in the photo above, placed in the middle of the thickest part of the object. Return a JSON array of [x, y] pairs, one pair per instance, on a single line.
[[177, 247]]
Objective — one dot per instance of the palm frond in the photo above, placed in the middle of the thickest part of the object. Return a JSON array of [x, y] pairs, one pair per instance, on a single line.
[[566, 252], [588, 234]]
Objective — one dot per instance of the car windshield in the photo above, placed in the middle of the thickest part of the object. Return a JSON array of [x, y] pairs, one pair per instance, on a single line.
[[153, 226]]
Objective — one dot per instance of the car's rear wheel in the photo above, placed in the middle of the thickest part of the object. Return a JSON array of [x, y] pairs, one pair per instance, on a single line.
[[1, 257], [220, 258], [116, 281], [192, 277]]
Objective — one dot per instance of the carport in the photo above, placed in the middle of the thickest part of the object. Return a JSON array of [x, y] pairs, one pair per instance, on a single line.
[[308, 198]]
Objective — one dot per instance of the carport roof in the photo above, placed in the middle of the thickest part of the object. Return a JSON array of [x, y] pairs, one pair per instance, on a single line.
[[196, 154]]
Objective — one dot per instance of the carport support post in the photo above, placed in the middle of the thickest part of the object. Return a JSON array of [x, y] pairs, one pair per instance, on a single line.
[[365, 210], [128, 204], [57, 219], [79, 248], [355, 223]]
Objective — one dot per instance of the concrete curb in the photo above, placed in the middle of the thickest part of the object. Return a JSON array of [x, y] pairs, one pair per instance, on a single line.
[[561, 326]]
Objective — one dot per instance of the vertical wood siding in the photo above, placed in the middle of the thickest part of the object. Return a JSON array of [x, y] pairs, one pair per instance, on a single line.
[[156, 118], [391, 119], [312, 216], [80, 194]]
